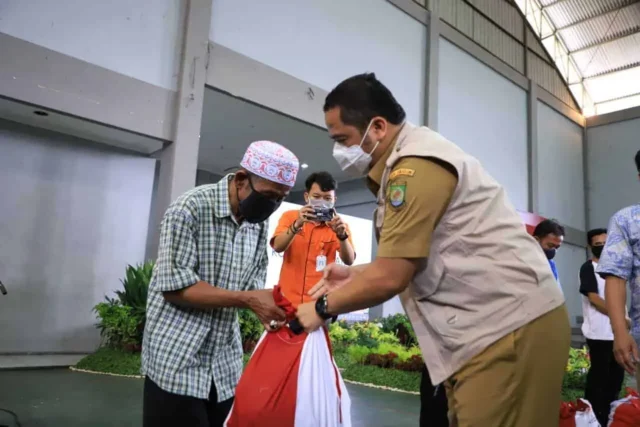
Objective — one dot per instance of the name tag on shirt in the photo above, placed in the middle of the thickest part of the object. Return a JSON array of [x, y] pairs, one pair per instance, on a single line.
[[321, 262]]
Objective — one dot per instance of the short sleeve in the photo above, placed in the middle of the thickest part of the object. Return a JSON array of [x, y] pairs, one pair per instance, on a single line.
[[418, 193], [617, 255], [588, 281], [285, 221], [177, 252]]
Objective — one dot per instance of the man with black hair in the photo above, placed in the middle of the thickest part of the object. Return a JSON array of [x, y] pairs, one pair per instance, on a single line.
[[550, 235], [310, 238], [478, 291], [619, 264], [605, 376]]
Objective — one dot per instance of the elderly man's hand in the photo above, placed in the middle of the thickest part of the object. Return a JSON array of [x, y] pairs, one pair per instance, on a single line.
[[262, 304], [308, 317]]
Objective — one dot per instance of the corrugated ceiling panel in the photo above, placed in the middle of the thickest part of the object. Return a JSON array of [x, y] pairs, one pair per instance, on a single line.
[[614, 85], [547, 77], [502, 13], [609, 56], [614, 24], [567, 12]]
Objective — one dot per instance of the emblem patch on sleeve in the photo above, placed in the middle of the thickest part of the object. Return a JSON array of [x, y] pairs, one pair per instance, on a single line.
[[401, 172], [397, 193]]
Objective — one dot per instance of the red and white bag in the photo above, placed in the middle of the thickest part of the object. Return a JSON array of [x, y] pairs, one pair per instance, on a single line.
[[578, 414], [291, 381], [625, 412]]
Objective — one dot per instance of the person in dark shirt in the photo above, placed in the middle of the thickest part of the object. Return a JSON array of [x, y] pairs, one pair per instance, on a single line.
[[550, 236], [605, 376]]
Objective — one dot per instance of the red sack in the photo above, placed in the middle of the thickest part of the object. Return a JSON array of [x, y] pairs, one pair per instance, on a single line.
[[567, 414], [626, 412], [291, 380], [577, 414]]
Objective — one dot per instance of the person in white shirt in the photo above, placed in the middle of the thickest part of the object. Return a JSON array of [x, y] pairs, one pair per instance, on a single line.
[[605, 376]]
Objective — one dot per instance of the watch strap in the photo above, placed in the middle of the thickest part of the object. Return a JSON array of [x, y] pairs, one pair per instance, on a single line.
[[321, 308]]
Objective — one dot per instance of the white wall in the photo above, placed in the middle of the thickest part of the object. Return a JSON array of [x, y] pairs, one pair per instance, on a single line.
[[612, 175], [560, 168], [73, 216], [486, 115], [141, 39], [568, 261], [324, 42]]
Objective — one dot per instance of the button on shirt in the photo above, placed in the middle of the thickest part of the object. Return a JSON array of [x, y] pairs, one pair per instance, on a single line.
[[184, 349], [621, 257]]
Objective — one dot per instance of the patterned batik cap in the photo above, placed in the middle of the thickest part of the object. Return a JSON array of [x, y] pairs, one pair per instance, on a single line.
[[271, 161]]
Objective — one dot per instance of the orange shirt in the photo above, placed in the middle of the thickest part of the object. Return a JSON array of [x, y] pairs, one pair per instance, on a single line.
[[298, 274]]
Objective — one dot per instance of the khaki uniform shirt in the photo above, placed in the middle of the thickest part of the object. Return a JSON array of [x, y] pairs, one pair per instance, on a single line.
[[429, 185]]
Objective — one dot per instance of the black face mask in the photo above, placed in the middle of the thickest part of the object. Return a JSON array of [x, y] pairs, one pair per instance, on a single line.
[[257, 207], [550, 253], [597, 251]]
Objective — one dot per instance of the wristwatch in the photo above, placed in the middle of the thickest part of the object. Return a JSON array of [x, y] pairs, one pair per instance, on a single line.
[[344, 237], [322, 308]]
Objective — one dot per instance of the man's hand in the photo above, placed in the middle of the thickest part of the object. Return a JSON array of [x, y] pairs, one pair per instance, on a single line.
[[308, 317], [262, 304], [305, 214], [625, 351], [333, 277], [338, 227]]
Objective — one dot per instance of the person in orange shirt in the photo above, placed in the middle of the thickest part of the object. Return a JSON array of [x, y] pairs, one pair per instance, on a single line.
[[310, 238]]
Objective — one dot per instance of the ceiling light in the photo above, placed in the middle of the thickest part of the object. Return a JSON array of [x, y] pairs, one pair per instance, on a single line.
[[41, 113], [304, 166]]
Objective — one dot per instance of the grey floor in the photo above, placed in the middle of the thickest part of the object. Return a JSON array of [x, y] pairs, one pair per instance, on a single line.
[[39, 360], [60, 397]]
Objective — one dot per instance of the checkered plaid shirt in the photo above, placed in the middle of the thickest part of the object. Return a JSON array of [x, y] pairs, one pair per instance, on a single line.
[[184, 349]]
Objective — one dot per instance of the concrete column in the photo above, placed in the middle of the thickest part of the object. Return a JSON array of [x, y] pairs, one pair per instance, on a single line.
[[431, 71], [179, 160], [532, 146]]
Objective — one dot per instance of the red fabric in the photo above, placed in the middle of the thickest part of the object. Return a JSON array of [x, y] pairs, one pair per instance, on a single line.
[[267, 392], [530, 220], [627, 414], [567, 414]]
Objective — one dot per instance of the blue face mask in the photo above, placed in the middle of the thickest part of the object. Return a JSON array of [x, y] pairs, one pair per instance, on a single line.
[[550, 253]]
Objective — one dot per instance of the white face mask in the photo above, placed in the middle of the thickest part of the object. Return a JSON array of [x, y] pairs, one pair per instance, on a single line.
[[320, 203], [354, 160]]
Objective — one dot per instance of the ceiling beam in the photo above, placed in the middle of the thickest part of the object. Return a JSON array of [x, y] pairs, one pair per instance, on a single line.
[[552, 4], [616, 99], [617, 70]]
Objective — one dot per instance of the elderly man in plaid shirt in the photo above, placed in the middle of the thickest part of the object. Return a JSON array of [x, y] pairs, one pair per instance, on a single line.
[[212, 260]]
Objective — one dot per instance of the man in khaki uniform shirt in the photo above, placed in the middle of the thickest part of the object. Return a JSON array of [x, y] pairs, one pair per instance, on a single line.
[[491, 322]]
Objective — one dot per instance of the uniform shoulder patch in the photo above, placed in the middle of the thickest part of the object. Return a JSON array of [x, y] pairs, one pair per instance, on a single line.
[[401, 172], [397, 194]]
